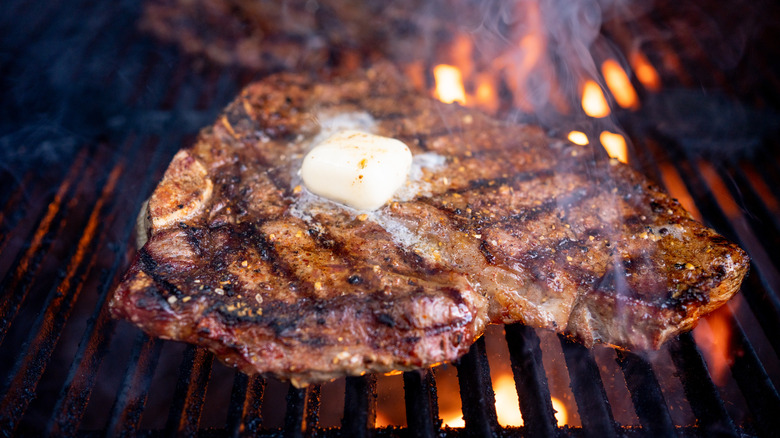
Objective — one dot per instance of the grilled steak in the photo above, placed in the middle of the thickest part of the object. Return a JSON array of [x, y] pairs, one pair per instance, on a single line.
[[498, 223]]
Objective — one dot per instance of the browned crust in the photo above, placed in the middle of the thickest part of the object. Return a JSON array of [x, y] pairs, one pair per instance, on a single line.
[[513, 226]]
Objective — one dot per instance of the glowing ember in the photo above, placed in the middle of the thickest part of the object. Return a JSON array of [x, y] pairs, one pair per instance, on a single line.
[[507, 407], [449, 84], [561, 416], [619, 84], [593, 101], [645, 72], [615, 144], [578, 137]]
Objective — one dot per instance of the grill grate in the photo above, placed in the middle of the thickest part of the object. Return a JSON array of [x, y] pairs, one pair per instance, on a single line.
[[96, 111]]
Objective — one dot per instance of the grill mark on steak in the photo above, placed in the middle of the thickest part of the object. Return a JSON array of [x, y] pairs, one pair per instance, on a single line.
[[401, 260], [526, 215], [150, 267], [268, 253], [511, 227]]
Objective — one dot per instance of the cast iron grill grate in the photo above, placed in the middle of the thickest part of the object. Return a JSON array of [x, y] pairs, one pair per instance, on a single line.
[[92, 113]]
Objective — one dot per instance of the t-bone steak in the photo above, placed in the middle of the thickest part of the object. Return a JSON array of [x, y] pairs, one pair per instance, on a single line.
[[497, 223]]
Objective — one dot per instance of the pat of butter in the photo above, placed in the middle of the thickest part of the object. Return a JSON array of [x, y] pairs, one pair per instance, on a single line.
[[358, 169]]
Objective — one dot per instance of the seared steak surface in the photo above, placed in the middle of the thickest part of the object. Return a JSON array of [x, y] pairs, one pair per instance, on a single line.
[[498, 224]]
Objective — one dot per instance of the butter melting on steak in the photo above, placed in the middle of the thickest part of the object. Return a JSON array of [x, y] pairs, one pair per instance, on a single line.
[[503, 225]]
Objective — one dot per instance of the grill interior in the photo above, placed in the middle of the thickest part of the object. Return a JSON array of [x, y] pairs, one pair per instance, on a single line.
[[92, 111]]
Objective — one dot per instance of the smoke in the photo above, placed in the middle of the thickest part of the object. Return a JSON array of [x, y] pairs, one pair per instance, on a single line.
[[545, 48], [51, 101]]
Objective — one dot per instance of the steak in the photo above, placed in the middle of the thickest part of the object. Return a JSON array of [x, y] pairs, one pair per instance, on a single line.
[[497, 223]]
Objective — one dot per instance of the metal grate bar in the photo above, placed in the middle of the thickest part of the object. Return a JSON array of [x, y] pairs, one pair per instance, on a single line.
[[762, 201], [689, 44], [359, 406], [48, 327], [89, 355], [714, 201], [699, 389], [18, 285], [313, 409], [719, 200], [246, 400], [26, 219], [190, 391], [646, 394], [129, 405], [762, 291], [530, 380], [12, 198], [97, 335], [662, 55], [476, 391], [35, 19], [760, 394], [588, 389], [421, 403], [296, 408], [15, 303], [115, 48]]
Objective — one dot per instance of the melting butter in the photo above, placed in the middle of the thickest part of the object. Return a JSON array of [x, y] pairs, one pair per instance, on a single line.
[[358, 169]]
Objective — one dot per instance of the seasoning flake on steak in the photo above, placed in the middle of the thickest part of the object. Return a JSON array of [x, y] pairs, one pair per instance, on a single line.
[[498, 223]]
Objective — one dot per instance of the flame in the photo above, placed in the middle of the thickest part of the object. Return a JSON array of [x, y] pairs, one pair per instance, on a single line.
[[593, 101], [453, 419], [578, 137], [615, 144], [676, 186], [619, 84], [561, 415], [462, 53], [713, 336], [415, 71], [645, 72], [507, 407], [532, 48], [449, 84], [382, 421], [485, 95]]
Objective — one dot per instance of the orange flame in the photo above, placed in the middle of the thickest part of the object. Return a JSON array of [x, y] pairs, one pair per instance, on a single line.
[[616, 146], [415, 71], [507, 405], [508, 408], [593, 101], [485, 95], [713, 336], [449, 84], [453, 419], [381, 420], [462, 54], [619, 84], [645, 72], [676, 186], [561, 415], [578, 138]]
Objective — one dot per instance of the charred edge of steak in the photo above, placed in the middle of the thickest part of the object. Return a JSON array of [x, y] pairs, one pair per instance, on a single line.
[[549, 235]]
